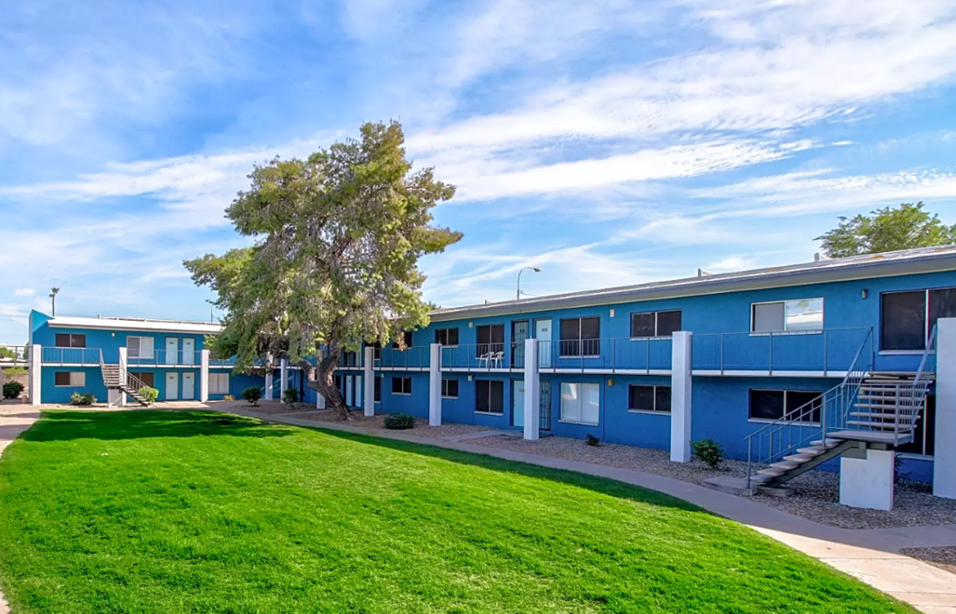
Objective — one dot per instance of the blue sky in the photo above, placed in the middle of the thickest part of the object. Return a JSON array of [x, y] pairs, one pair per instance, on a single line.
[[606, 142]]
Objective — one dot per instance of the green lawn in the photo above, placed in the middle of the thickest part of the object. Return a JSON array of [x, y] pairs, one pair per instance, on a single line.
[[198, 512]]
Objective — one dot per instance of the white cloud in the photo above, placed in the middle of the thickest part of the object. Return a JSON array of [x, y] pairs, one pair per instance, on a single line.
[[731, 264], [24, 292]]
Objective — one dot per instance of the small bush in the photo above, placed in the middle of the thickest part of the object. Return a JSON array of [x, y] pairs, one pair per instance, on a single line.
[[228, 397], [591, 440], [149, 394], [399, 422], [252, 394], [708, 451], [290, 396], [12, 390], [80, 399]]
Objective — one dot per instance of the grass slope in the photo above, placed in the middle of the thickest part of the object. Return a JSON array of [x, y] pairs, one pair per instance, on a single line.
[[172, 512]]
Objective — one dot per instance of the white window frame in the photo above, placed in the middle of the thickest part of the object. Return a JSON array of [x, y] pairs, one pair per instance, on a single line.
[[580, 418], [77, 380], [218, 377], [400, 377], [140, 354], [813, 331]]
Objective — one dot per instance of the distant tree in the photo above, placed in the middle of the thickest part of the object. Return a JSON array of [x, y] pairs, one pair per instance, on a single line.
[[335, 260], [885, 230]]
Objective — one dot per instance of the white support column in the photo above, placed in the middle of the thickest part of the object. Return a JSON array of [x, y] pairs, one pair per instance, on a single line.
[[36, 375], [681, 397], [368, 370], [866, 479], [434, 385], [204, 376], [269, 378], [284, 378], [532, 391], [123, 365], [944, 460]]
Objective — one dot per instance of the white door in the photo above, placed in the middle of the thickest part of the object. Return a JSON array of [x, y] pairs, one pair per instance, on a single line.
[[189, 351], [358, 390], [517, 402], [348, 391], [542, 332], [172, 386], [189, 386], [172, 349]]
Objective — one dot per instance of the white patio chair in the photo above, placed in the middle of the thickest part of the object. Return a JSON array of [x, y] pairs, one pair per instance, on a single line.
[[498, 359], [486, 358]]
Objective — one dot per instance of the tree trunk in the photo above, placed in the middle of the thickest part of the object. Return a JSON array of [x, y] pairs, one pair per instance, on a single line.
[[322, 380]]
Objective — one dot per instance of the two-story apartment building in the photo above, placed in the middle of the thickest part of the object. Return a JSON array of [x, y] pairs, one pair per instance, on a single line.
[[823, 363]]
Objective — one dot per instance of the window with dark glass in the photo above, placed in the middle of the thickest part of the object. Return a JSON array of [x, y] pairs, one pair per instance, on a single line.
[[655, 323], [649, 398], [800, 405], [581, 337], [378, 390], [446, 336], [377, 354], [491, 339], [449, 388], [906, 318], [66, 340], [490, 396], [401, 385], [407, 337]]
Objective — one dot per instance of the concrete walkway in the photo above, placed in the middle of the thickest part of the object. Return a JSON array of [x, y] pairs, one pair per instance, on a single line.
[[869, 555]]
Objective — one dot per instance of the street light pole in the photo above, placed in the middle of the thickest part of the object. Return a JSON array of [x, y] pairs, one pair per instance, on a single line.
[[527, 268]]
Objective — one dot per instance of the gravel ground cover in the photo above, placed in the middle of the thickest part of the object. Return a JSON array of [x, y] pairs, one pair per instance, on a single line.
[[815, 493], [377, 423]]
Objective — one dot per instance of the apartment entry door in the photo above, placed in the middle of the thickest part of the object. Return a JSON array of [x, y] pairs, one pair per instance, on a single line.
[[542, 332], [172, 385], [189, 385], [517, 402], [189, 351]]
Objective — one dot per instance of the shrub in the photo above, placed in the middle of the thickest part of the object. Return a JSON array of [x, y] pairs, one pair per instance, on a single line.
[[399, 422], [252, 394], [228, 397], [708, 451], [591, 440], [78, 398], [12, 390], [149, 394], [290, 396]]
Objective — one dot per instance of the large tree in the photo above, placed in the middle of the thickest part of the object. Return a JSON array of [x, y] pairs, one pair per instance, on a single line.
[[884, 230], [335, 259]]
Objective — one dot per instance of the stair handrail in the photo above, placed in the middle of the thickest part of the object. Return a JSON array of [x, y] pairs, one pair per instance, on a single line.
[[842, 394], [914, 393]]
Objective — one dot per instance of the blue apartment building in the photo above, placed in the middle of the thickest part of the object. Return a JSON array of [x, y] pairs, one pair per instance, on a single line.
[[821, 363]]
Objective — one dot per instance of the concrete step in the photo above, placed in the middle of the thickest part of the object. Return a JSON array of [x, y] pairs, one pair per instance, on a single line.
[[785, 465], [812, 451], [771, 472], [830, 443], [799, 458]]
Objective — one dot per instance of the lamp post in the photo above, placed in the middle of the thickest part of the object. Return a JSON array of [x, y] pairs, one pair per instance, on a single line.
[[527, 268]]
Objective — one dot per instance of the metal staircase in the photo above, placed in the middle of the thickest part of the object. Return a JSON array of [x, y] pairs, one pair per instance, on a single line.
[[113, 379], [867, 409]]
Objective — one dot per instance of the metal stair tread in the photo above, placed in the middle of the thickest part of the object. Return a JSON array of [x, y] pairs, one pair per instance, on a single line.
[[812, 451], [799, 458]]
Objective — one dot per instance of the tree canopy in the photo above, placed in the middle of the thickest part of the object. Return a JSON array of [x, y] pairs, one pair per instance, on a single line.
[[885, 230], [335, 261]]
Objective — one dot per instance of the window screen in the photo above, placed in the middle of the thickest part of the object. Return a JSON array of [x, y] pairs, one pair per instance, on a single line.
[[668, 322], [641, 398], [942, 304], [768, 317], [642, 324], [766, 404], [489, 396], [903, 321], [662, 398], [66, 340]]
